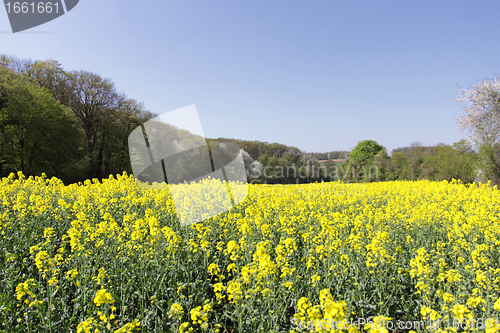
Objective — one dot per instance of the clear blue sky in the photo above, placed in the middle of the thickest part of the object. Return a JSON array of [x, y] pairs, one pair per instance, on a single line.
[[319, 75]]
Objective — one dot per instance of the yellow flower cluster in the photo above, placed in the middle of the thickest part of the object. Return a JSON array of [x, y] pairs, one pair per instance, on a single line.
[[102, 297], [115, 258], [176, 311]]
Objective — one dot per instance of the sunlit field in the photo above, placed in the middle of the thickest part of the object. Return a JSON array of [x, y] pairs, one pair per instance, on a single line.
[[112, 257]]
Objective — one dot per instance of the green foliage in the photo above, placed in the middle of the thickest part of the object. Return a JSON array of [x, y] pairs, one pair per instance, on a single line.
[[440, 162], [450, 162], [281, 164], [489, 161], [399, 168], [368, 162], [37, 133], [382, 166], [331, 155], [70, 125], [364, 151]]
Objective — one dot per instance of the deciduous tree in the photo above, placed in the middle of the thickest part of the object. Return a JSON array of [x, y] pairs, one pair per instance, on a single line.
[[481, 119]]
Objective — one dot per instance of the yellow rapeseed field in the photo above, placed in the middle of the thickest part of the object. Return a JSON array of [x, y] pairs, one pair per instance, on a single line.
[[325, 257]]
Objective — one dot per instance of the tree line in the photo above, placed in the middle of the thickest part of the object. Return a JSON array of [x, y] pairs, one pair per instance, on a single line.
[[70, 124], [274, 163], [369, 162], [75, 125], [474, 160]]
